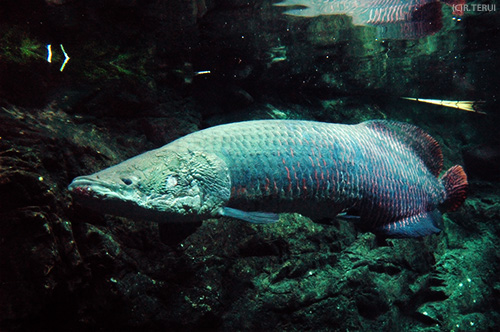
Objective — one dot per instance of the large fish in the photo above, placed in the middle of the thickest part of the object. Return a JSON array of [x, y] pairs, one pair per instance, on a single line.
[[385, 174], [401, 19]]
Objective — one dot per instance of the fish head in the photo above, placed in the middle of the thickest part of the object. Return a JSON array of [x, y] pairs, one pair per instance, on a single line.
[[160, 185]]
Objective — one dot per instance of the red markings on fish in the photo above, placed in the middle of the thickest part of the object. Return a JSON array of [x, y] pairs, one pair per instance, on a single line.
[[408, 19], [295, 177], [317, 180], [289, 189], [266, 185], [240, 191]]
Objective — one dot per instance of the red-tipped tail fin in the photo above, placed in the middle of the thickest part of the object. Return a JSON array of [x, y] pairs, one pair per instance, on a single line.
[[456, 185]]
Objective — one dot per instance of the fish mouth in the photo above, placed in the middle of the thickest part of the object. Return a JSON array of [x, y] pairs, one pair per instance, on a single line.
[[109, 198], [104, 197], [91, 188]]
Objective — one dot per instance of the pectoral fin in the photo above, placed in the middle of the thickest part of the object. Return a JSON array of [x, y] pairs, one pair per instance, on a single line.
[[253, 217], [347, 217]]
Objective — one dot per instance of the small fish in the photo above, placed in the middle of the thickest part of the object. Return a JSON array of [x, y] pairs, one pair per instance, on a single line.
[[469, 106], [384, 173]]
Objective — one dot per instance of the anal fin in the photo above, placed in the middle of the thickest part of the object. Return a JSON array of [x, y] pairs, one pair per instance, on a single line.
[[422, 224], [253, 217]]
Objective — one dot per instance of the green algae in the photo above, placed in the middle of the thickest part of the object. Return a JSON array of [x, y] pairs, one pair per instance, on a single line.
[[19, 46]]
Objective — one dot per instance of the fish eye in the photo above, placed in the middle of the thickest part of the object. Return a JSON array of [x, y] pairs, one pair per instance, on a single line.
[[128, 182]]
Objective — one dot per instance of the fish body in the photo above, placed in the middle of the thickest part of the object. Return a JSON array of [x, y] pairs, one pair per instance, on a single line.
[[407, 19], [364, 11], [385, 173]]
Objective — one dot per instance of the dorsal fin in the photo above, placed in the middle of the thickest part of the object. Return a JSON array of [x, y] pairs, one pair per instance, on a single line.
[[426, 147]]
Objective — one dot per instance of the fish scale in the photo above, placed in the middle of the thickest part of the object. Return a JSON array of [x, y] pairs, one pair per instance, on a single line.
[[384, 173], [284, 153], [399, 19]]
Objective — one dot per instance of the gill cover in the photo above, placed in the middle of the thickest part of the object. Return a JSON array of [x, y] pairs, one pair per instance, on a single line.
[[191, 184]]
